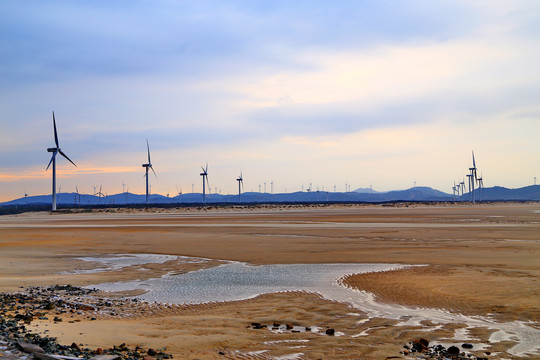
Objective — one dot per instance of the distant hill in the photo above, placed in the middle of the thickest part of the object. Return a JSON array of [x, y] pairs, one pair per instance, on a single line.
[[531, 192], [418, 193], [365, 191]]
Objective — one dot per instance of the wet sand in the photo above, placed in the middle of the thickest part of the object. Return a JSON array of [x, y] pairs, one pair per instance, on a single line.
[[482, 260]]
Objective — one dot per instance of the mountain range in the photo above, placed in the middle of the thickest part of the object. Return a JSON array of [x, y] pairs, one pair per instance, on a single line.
[[418, 193]]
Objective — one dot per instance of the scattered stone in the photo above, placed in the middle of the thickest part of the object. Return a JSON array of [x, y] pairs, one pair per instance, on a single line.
[[330, 332], [453, 351], [467, 346], [152, 352], [57, 319], [420, 345]]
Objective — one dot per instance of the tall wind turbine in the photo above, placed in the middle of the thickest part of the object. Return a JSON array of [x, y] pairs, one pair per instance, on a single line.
[[204, 175], [55, 151], [240, 180], [473, 177], [147, 166], [480, 187]]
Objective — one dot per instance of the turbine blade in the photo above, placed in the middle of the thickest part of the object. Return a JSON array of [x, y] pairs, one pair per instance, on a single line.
[[473, 162], [64, 155], [151, 167], [148, 148], [52, 158], [55, 133]]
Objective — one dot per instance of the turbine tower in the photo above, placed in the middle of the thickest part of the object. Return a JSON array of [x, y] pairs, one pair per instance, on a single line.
[[240, 180], [204, 175], [148, 166], [55, 151]]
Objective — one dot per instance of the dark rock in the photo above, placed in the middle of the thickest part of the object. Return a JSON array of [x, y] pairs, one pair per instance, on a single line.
[[330, 332], [75, 347], [420, 345], [453, 351], [288, 326], [29, 348], [467, 346], [308, 329], [276, 324], [98, 351], [152, 352], [57, 319], [221, 353]]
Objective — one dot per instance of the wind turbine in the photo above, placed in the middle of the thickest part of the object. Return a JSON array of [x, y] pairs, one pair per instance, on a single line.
[[272, 187], [99, 194], [55, 151], [473, 177], [480, 187], [204, 175], [240, 180], [147, 166]]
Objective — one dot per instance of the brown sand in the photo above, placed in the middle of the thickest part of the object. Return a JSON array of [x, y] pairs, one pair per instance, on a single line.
[[483, 259]]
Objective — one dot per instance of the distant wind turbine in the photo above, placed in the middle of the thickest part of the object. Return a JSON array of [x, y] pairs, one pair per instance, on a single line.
[[240, 180], [480, 187], [55, 151], [473, 177], [148, 166], [204, 175]]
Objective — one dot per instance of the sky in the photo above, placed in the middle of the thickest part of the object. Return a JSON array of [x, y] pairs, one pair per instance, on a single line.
[[385, 94]]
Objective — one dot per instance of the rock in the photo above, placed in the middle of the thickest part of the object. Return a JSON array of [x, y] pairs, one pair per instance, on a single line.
[[453, 351], [420, 345], [288, 326], [276, 324], [330, 332], [148, 358], [152, 352], [29, 348], [76, 347], [467, 346], [308, 329], [98, 351], [57, 319]]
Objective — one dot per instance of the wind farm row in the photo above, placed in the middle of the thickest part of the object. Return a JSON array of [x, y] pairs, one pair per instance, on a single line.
[[472, 191]]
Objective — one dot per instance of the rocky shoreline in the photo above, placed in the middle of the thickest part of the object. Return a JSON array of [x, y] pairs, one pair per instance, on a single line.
[[17, 310]]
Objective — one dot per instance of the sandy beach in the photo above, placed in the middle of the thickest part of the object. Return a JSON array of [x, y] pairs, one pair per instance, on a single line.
[[477, 261]]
